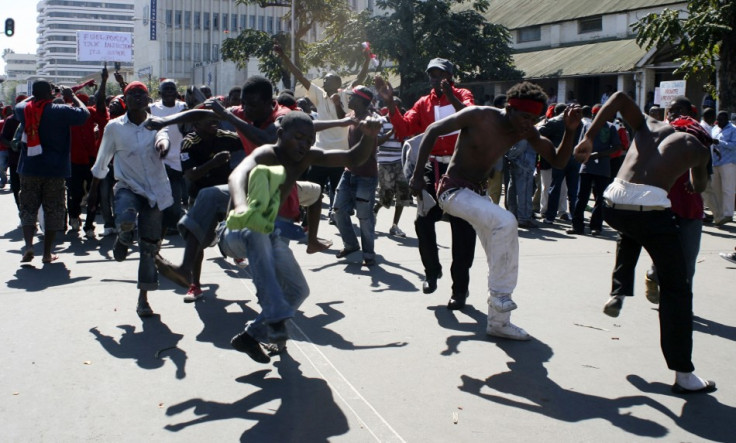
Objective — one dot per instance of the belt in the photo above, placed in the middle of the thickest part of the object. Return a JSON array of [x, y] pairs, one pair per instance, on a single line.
[[441, 158], [638, 208]]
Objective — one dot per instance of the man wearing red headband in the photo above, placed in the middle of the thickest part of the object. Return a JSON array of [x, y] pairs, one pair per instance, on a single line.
[[142, 191], [486, 134], [637, 206], [444, 99]]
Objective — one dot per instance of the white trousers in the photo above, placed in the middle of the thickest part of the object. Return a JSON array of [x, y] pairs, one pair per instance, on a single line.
[[546, 179]]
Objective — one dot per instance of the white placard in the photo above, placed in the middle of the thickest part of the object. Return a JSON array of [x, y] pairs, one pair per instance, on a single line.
[[104, 46], [669, 90]]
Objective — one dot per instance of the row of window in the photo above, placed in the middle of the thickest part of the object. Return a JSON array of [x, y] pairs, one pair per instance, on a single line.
[[82, 16], [89, 4], [534, 33], [203, 52], [226, 22]]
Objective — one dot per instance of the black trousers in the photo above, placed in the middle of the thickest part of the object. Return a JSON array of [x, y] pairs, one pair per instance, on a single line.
[[463, 238], [659, 234]]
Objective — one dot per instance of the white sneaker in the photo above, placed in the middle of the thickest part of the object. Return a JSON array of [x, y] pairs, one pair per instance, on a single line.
[[89, 233], [396, 231], [74, 224], [502, 303], [109, 231], [507, 330]]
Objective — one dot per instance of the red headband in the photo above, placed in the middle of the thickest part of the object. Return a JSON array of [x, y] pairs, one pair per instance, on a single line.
[[526, 105], [360, 93], [135, 85]]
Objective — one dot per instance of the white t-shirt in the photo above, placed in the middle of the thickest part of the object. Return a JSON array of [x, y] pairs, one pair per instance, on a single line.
[[334, 138], [158, 109]]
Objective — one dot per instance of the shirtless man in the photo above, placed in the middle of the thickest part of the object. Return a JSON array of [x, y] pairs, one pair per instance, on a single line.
[[486, 134], [280, 284], [636, 205]]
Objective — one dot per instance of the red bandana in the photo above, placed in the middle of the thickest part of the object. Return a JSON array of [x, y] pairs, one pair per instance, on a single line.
[[32, 113], [691, 126], [526, 105]]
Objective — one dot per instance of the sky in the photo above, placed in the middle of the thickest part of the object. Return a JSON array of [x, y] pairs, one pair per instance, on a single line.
[[24, 40]]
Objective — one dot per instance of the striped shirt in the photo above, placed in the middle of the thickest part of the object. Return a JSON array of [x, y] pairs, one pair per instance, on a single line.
[[389, 151]]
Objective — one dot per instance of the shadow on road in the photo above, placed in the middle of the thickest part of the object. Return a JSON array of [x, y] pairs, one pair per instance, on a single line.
[[148, 347], [307, 410], [528, 378], [34, 279]]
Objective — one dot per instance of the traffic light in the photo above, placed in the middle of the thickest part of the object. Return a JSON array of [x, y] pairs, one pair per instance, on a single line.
[[9, 27]]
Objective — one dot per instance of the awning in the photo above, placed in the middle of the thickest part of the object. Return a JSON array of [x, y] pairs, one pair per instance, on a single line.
[[609, 57]]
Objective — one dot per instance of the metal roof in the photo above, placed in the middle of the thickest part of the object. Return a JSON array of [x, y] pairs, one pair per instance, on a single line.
[[590, 59], [515, 14]]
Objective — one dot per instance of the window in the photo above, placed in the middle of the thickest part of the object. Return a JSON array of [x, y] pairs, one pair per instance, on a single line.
[[177, 51], [197, 52], [225, 22], [529, 34], [590, 24], [261, 23], [215, 52], [188, 19], [187, 51], [206, 55], [252, 20], [169, 17], [206, 20], [168, 51], [269, 25], [197, 20], [177, 19], [234, 22], [279, 25], [215, 21]]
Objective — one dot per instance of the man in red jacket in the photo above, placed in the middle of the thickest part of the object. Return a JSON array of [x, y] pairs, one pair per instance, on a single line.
[[444, 99]]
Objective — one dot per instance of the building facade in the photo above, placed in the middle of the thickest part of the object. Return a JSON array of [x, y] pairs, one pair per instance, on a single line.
[[58, 23], [18, 67]]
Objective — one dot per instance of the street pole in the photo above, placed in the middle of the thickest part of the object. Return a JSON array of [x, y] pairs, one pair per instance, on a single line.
[[293, 45]]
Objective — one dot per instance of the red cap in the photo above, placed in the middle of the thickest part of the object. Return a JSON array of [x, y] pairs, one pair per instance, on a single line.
[[595, 109], [20, 98]]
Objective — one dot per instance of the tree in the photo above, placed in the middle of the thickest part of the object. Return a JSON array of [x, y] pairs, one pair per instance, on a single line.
[[419, 30], [702, 37]]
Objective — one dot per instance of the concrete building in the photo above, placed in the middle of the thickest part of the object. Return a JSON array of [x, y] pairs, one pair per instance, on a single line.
[[58, 23], [182, 39], [18, 67], [579, 48]]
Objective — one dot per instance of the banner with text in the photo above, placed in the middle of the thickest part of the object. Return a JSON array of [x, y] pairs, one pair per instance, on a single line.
[[104, 46]]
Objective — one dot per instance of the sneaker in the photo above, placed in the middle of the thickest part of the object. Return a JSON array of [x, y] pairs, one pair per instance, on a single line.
[[395, 230], [651, 290], [728, 256], [595, 232], [548, 221], [502, 303], [507, 330], [566, 217], [528, 224], [89, 233], [193, 294], [119, 250], [245, 343], [241, 262], [74, 224], [109, 231], [575, 232], [613, 306]]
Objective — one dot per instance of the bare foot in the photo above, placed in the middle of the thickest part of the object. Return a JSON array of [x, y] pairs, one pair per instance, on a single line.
[[172, 272], [27, 256], [318, 246], [50, 258]]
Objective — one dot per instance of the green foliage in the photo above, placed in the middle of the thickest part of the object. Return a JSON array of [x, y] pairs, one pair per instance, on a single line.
[[697, 37], [251, 43], [418, 31]]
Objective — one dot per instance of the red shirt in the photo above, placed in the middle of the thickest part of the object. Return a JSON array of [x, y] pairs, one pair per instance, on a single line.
[[84, 144], [685, 204], [278, 111], [421, 115]]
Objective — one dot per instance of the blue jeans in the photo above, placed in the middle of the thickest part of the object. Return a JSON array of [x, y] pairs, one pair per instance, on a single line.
[[521, 185], [358, 193], [173, 213], [129, 208], [570, 174], [209, 208], [280, 285]]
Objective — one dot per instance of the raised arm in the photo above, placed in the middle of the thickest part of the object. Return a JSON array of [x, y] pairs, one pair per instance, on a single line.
[[363, 70], [619, 102], [291, 67], [558, 157], [356, 155], [321, 125], [256, 135], [191, 116]]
